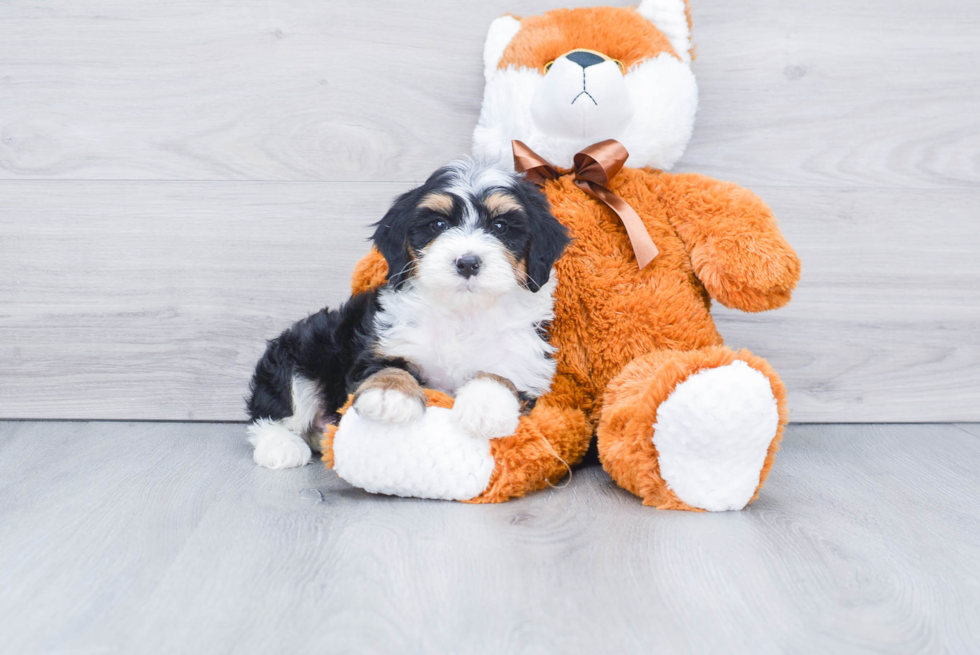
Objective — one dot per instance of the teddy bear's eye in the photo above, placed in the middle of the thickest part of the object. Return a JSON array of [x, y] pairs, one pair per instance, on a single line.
[[547, 67]]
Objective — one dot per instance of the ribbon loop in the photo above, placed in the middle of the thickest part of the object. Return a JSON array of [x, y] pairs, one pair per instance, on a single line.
[[601, 161], [595, 166], [534, 166]]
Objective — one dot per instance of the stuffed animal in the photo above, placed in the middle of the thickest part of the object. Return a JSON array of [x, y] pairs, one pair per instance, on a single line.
[[600, 102]]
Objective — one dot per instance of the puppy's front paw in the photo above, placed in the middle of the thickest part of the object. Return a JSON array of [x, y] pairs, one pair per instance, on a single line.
[[390, 396], [487, 406]]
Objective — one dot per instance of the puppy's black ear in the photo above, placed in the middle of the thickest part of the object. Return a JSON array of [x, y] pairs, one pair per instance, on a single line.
[[391, 237], [548, 237]]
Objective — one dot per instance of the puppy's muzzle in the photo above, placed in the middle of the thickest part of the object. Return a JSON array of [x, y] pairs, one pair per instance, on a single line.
[[468, 265]]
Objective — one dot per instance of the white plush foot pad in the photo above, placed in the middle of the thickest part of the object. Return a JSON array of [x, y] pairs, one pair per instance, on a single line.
[[713, 433], [485, 408], [429, 458], [276, 447]]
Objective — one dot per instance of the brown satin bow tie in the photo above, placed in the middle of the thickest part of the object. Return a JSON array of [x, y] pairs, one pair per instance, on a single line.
[[594, 167]]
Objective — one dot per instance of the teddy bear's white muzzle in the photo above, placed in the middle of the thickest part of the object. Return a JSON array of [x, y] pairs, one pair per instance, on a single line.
[[582, 102]]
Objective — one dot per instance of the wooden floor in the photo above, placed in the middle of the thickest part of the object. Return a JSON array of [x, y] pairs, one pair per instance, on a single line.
[[156, 537]]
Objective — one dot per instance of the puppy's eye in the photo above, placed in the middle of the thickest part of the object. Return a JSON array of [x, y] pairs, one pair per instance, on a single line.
[[547, 67], [439, 226], [499, 227]]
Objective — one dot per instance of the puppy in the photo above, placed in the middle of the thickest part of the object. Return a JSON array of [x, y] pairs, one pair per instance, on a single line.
[[465, 311]]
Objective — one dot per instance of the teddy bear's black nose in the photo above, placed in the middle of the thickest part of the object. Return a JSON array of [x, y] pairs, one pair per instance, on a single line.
[[584, 59]]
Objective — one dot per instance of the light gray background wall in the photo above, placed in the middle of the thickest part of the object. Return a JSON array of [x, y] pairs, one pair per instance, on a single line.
[[180, 180]]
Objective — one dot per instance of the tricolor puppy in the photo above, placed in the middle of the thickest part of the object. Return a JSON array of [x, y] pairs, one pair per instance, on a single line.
[[464, 311]]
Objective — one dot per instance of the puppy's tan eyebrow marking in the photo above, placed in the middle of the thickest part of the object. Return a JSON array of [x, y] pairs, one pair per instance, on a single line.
[[438, 202], [499, 202]]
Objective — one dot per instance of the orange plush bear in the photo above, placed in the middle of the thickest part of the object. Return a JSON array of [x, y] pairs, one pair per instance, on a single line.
[[681, 420]]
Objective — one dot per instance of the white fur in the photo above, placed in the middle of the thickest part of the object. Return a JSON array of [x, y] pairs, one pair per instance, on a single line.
[[586, 103], [281, 444], [306, 405], [670, 18], [451, 337], [501, 31], [712, 434], [388, 406], [660, 94], [485, 408], [451, 327], [430, 458], [276, 447], [436, 276]]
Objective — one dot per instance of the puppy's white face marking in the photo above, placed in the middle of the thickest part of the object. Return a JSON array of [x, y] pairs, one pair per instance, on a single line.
[[438, 279], [476, 192], [477, 245]]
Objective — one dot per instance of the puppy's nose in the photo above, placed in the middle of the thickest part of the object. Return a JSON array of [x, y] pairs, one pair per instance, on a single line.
[[468, 265], [584, 58]]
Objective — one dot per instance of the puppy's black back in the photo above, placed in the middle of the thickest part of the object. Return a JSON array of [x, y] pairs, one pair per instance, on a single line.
[[323, 348]]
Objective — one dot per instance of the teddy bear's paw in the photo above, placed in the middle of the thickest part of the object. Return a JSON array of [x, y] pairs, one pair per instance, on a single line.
[[485, 407], [276, 447], [712, 435], [429, 458], [389, 406]]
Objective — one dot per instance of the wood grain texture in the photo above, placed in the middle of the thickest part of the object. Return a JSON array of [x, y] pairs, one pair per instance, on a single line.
[[297, 90], [876, 94], [167, 538], [828, 94], [163, 307], [161, 310], [179, 181]]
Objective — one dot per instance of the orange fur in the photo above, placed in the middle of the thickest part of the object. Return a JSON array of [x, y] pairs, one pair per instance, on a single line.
[[715, 240], [369, 273], [617, 32], [627, 337], [626, 431]]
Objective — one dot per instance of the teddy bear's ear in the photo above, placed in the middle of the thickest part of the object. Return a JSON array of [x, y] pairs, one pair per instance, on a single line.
[[502, 30], [673, 18]]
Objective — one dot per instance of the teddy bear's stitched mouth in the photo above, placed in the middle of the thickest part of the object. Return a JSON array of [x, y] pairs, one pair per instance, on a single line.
[[584, 92]]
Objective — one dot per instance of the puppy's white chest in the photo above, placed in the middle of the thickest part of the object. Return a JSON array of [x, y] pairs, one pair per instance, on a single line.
[[449, 348], [449, 353]]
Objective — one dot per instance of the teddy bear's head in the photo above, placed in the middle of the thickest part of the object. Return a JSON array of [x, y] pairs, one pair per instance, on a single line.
[[569, 78]]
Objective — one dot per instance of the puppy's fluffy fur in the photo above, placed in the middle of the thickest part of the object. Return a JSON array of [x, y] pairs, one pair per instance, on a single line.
[[469, 295]]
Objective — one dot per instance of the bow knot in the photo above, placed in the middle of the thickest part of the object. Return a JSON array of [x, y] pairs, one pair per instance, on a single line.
[[595, 166]]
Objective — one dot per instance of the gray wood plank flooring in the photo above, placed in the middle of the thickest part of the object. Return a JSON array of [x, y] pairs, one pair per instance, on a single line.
[[155, 537], [181, 180]]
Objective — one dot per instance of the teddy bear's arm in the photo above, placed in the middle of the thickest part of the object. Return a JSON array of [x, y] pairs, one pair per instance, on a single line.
[[369, 273], [547, 443], [735, 245]]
